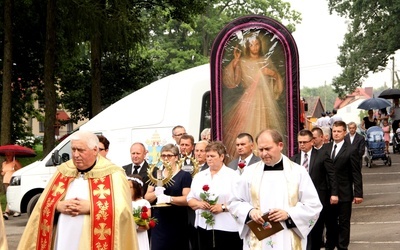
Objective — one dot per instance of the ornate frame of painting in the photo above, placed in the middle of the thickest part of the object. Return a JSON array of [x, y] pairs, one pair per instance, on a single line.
[[255, 81]]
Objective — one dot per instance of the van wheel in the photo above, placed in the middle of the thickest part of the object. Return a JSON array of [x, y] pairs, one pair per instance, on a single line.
[[31, 204]]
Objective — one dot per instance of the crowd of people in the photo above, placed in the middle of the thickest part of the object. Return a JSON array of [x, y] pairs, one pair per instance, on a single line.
[[89, 202]]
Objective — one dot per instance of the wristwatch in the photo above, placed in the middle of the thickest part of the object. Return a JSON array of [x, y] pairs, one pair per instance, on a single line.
[[223, 208]]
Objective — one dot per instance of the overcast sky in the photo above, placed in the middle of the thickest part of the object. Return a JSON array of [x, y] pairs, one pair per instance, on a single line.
[[318, 38]]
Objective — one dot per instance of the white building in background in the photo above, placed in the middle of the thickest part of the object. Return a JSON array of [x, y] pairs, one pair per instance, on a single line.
[[347, 108]]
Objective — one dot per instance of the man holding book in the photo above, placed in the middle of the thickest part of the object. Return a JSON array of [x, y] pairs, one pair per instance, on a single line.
[[279, 187]]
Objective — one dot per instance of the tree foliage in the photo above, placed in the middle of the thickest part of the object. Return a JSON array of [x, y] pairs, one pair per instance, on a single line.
[[177, 45], [27, 64], [325, 93], [140, 41], [371, 39]]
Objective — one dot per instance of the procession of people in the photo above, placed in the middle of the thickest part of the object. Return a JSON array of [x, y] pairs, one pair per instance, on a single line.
[[201, 208]]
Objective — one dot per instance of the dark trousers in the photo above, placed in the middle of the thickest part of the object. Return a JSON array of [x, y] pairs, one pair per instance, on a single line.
[[219, 240], [314, 238], [338, 226], [193, 238], [395, 125]]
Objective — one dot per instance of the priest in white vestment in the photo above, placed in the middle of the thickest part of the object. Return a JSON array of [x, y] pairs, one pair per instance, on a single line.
[[280, 187], [86, 204]]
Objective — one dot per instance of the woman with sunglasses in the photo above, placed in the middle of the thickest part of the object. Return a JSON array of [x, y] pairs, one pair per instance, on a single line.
[[171, 231]]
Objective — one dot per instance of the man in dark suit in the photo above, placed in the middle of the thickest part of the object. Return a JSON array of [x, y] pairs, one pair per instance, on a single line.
[[200, 154], [139, 165], [244, 148], [320, 167], [347, 165], [186, 147], [355, 139]]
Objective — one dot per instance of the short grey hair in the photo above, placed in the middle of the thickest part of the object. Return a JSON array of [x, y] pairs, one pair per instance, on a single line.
[[326, 131], [90, 138], [171, 148]]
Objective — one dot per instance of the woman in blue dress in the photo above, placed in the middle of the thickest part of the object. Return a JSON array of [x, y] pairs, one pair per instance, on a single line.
[[171, 231]]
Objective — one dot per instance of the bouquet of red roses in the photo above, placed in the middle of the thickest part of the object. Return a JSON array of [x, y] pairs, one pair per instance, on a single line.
[[142, 218]]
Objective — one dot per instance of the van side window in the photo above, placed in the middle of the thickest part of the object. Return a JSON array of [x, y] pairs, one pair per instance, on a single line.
[[65, 152], [205, 120]]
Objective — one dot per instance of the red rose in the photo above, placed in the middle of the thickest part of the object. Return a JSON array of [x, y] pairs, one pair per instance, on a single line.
[[241, 164], [206, 188], [144, 209], [152, 223], [144, 216]]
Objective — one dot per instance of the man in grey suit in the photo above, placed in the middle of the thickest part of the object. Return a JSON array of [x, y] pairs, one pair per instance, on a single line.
[[139, 165], [244, 148]]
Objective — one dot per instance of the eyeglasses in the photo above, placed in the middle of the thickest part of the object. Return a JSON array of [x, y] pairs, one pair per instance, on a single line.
[[304, 142], [179, 134], [101, 149], [167, 156]]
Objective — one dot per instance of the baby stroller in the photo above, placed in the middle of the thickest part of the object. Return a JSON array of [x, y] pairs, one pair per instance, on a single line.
[[396, 141], [376, 146]]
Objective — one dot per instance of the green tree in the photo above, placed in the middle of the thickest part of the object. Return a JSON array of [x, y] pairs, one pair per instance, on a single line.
[[49, 84], [177, 45], [5, 136], [21, 66], [371, 39], [115, 36], [325, 93]]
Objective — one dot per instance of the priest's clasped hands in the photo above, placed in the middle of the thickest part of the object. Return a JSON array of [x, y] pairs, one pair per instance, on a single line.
[[273, 215], [74, 207]]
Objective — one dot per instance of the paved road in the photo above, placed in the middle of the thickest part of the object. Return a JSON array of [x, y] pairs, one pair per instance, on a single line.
[[375, 222]]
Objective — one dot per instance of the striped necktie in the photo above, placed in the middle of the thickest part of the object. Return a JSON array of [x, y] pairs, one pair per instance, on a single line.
[[305, 161]]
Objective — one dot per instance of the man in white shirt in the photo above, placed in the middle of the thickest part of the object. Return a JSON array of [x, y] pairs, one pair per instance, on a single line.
[[323, 121], [244, 148], [335, 117]]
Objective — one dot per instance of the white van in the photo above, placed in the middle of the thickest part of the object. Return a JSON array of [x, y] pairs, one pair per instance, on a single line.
[[147, 115]]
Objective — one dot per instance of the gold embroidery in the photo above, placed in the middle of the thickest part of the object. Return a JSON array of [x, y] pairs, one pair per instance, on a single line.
[[43, 244], [101, 192], [46, 210], [44, 227], [58, 189], [102, 214], [102, 231], [101, 247]]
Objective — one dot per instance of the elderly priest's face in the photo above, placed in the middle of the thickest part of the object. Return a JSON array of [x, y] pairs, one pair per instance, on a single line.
[[82, 156]]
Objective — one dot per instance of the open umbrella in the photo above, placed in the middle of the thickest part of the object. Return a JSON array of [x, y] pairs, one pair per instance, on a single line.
[[390, 94], [374, 103], [18, 150]]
